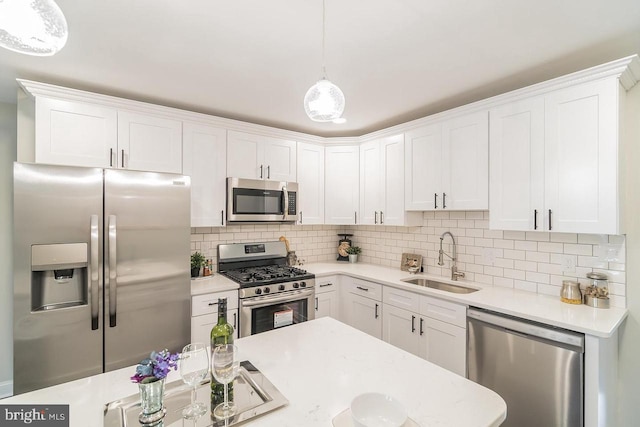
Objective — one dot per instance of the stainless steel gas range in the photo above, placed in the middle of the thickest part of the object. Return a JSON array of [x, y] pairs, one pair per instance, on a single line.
[[272, 294]]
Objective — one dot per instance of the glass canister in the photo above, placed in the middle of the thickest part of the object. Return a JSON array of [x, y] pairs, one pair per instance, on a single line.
[[597, 293]]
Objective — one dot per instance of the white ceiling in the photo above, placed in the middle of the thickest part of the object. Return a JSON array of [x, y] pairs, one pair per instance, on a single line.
[[395, 60]]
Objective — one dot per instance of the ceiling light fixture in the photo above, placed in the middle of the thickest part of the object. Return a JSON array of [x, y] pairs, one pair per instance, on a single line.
[[32, 27], [324, 101]]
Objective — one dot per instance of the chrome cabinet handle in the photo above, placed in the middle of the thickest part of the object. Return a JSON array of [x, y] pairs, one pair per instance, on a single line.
[[444, 200], [413, 324], [535, 219], [549, 219], [260, 171], [94, 274], [300, 217], [377, 311], [381, 217], [362, 289], [110, 157], [435, 200], [421, 323], [122, 158], [113, 274], [355, 217], [375, 216]]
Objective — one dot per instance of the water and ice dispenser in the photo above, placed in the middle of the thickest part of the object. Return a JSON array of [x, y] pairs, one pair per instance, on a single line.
[[59, 275]]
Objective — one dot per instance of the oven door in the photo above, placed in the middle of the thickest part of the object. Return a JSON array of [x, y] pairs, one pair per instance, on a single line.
[[264, 313], [257, 200]]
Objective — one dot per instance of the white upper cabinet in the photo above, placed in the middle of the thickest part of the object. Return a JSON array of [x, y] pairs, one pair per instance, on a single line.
[[310, 183], [75, 133], [554, 161], [204, 160], [260, 157], [382, 183], [149, 143], [341, 184], [447, 165]]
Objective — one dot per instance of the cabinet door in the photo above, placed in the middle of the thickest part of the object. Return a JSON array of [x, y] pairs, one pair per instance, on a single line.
[[310, 183], [75, 134], [423, 168], [581, 158], [341, 184], [204, 159], [327, 305], [401, 329], [516, 176], [149, 143], [201, 326], [465, 160], [370, 189], [280, 160], [392, 182], [245, 155], [363, 313], [445, 345]]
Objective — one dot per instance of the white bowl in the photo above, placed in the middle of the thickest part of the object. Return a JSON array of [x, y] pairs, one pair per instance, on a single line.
[[377, 410]]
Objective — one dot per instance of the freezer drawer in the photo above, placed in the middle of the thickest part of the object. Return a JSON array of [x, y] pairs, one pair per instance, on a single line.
[[538, 371]]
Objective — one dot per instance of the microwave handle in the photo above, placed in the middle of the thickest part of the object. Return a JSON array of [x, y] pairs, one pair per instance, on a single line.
[[285, 200]]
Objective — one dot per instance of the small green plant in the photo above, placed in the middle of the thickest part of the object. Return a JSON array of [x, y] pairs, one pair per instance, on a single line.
[[197, 260], [354, 250]]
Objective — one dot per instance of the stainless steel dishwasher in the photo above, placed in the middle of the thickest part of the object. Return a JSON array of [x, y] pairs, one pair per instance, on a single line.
[[537, 369]]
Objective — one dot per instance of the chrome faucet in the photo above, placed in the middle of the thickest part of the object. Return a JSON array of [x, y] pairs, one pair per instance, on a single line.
[[454, 270]]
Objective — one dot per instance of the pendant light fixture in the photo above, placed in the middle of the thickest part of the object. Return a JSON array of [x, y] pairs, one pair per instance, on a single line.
[[32, 27], [324, 101]]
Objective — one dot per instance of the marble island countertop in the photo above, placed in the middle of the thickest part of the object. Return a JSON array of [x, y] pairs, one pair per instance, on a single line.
[[528, 305], [319, 366]]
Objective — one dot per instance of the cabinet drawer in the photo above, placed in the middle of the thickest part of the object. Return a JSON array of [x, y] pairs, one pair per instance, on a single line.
[[326, 284], [445, 311], [401, 299], [208, 303], [365, 288]]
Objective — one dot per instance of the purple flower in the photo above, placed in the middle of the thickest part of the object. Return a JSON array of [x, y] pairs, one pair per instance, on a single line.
[[156, 367]]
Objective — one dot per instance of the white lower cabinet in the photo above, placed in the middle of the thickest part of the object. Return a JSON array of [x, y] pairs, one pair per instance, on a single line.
[[326, 301], [427, 327], [204, 314], [361, 305]]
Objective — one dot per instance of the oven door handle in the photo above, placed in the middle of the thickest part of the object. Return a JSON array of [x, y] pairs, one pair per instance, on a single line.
[[265, 301]]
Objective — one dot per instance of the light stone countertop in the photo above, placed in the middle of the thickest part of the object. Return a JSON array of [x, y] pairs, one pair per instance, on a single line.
[[319, 366], [528, 305], [214, 283]]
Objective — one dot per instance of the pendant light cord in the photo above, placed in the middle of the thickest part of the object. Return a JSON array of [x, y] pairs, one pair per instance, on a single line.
[[324, 69]]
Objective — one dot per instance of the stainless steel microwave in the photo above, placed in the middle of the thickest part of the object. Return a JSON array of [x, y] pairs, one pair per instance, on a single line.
[[256, 200]]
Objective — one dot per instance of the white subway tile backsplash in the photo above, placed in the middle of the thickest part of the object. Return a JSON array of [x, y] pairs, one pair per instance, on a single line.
[[537, 277], [515, 274], [474, 215], [525, 265], [503, 282], [537, 236], [504, 244], [551, 247], [537, 256], [593, 239], [578, 249], [518, 255], [563, 237], [514, 235], [525, 286], [523, 245]]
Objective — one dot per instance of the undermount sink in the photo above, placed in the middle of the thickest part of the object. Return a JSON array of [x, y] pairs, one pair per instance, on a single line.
[[456, 289]]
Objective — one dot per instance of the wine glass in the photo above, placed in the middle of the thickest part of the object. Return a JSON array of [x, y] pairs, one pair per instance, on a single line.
[[225, 369], [194, 367]]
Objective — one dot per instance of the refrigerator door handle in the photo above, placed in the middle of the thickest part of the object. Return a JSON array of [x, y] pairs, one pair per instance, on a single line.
[[113, 277], [93, 272]]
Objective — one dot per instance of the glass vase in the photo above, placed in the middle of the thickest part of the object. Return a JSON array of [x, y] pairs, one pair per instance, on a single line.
[[151, 395]]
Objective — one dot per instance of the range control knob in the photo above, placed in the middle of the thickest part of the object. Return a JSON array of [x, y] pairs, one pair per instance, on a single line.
[[296, 285], [281, 288], [267, 290], [303, 284], [258, 291]]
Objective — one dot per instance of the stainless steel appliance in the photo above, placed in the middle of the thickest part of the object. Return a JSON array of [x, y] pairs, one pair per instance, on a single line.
[[253, 200], [538, 370], [272, 294], [101, 270]]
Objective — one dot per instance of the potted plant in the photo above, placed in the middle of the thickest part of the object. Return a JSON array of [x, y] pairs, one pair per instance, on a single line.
[[353, 252], [197, 262]]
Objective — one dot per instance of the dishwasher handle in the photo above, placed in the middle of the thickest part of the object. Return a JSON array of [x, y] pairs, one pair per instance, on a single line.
[[522, 327]]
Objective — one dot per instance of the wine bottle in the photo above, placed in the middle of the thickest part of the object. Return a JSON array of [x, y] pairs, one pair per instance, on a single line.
[[222, 333]]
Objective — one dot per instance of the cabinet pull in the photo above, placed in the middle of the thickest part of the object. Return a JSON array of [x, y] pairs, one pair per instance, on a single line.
[[444, 200], [212, 303], [535, 219], [324, 285], [260, 171], [269, 172], [235, 321], [377, 311], [549, 219], [435, 200], [300, 217], [362, 289], [111, 157], [413, 324], [316, 303], [381, 217], [222, 217], [355, 217], [375, 221], [421, 330], [122, 158]]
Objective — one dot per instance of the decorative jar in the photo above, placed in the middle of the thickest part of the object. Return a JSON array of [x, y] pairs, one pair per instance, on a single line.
[[151, 395]]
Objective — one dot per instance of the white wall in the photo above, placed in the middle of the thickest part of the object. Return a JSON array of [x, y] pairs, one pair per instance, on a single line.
[[629, 344], [7, 157]]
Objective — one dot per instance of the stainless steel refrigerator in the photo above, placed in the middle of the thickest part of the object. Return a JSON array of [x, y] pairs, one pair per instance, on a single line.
[[101, 270]]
